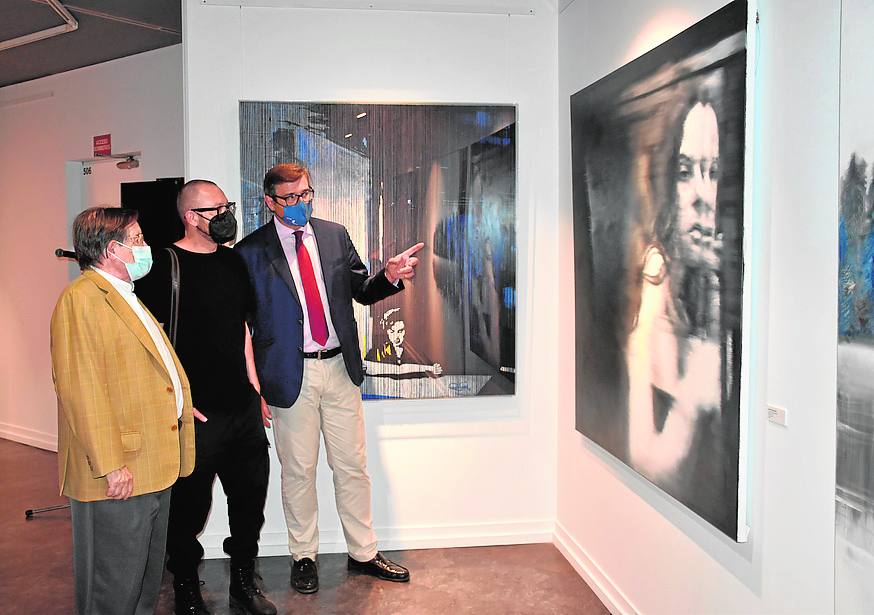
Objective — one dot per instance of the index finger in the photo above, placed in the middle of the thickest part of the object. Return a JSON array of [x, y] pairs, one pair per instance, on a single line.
[[412, 250]]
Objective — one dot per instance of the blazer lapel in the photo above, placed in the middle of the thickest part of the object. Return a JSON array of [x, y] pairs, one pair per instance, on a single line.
[[276, 257], [128, 317]]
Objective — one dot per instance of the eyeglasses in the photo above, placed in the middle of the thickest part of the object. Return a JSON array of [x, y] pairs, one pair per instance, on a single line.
[[135, 240], [292, 199], [218, 209]]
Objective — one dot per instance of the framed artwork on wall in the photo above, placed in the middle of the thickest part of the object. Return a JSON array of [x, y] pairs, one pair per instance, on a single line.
[[854, 484], [658, 158], [394, 175]]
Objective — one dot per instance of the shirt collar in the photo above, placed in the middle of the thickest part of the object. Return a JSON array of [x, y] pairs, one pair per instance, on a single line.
[[122, 286], [285, 232]]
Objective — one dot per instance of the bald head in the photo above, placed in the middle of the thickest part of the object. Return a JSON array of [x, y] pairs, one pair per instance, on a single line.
[[198, 193]]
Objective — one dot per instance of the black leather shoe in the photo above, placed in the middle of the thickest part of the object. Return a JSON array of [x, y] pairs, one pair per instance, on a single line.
[[380, 567], [305, 576], [244, 595], [189, 600]]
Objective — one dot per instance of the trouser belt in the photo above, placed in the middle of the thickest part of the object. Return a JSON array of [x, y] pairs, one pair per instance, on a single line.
[[322, 354]]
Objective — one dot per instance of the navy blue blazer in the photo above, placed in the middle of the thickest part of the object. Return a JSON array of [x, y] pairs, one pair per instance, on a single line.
[[277, 320]]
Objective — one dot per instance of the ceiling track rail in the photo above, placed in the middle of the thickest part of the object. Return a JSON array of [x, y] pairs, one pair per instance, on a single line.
[[70, 25], [120, 19]]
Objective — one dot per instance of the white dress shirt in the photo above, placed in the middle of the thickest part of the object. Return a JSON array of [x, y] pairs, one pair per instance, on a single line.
[[289, 247], [126, 290]]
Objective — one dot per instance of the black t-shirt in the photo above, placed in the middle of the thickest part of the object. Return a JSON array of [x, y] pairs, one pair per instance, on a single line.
[[214, 299]]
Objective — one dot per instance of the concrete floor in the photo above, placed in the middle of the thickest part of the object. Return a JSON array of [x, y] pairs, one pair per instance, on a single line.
[[36, 571]]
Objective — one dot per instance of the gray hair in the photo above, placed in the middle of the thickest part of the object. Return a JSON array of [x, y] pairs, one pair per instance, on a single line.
[[95, 228]]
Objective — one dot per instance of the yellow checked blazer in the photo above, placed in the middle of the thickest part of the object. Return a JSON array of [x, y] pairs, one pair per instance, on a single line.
[[116, 404]]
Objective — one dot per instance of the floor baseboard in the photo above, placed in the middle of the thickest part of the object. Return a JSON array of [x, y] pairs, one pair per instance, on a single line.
[[31, 437], [612, 597]]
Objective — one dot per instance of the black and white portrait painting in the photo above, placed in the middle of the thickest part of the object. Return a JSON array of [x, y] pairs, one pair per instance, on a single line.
[[395, 175], [658, 185], [854, 497]]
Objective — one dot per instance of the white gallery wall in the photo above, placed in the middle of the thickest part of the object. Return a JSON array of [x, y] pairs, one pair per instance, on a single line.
[[445, 472], [497, 469], [643, 551], [45, 124]]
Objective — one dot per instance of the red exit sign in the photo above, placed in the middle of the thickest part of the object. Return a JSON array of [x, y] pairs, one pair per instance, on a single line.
[[102, 145]]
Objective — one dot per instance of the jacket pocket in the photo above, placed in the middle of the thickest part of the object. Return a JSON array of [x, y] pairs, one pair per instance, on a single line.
[[130, 441]]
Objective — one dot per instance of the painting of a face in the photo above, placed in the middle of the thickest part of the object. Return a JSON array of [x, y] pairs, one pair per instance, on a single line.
[[396, 333], [658, 159], [697, 177]]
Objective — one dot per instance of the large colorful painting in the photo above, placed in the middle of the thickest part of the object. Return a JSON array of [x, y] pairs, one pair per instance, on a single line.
[[854, 499], [395, 175], [658, 183]]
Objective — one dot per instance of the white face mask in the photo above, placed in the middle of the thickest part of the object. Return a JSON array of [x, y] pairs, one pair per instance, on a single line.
[[142, 261]]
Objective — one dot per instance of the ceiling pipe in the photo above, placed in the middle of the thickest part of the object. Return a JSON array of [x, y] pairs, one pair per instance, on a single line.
[[70, 25]]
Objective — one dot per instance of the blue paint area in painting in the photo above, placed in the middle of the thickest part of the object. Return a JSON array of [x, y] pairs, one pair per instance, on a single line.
[[305, 151], [509, 297], [493, 140], [856, 255]]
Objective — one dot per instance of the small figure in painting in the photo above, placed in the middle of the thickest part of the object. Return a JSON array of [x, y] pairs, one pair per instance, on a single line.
[[392, 359]]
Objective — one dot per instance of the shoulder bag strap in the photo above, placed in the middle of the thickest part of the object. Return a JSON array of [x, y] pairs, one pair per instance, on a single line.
[[175, 275]]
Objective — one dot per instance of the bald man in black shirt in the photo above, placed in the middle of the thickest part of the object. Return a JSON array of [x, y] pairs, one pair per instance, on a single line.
[[215, 298]]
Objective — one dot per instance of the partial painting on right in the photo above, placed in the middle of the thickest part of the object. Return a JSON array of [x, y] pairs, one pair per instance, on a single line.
[[854, 497]]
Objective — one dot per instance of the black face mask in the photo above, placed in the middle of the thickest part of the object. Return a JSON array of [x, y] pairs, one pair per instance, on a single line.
[[223, 227]]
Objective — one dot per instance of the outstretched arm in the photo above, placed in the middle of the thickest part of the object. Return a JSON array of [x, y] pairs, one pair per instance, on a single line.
[[368, 289]]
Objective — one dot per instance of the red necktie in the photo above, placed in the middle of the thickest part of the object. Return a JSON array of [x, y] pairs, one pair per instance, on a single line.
[[315, 311]]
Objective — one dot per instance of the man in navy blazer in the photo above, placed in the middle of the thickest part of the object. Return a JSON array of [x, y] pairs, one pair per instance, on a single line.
[[304, 347]]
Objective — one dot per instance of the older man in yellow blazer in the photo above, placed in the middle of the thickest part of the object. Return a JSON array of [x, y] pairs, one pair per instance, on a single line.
[[125, 418]]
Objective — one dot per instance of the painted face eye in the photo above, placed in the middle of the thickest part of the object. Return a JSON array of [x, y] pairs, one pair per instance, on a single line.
[[714, 170], [684, 172]]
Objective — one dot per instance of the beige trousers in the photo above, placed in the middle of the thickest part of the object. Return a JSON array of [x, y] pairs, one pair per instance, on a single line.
[[329, 401]]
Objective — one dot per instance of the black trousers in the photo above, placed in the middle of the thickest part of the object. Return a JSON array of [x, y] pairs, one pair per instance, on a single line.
[[232, 446]]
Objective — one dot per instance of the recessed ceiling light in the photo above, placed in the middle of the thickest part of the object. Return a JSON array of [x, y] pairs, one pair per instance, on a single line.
[[361, 115]]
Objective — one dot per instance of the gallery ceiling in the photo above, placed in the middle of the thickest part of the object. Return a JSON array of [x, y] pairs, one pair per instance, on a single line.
[[110, 29], [107, 29]]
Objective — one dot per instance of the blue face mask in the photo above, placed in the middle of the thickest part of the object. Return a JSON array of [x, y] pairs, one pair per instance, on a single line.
[[297, 215], [142, 261]]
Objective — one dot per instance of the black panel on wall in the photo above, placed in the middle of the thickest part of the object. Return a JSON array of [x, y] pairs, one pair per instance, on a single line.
[[156, 203]]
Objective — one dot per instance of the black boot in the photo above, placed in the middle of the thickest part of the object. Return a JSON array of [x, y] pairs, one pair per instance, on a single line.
[[189, 600], [244, 595]]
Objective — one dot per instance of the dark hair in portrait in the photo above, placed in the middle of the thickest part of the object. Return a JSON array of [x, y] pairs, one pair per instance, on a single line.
[[655, 222]]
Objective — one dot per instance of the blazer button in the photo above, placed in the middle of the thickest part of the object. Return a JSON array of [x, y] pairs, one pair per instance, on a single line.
[[169, 389], [174, 427], [300, 321]]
